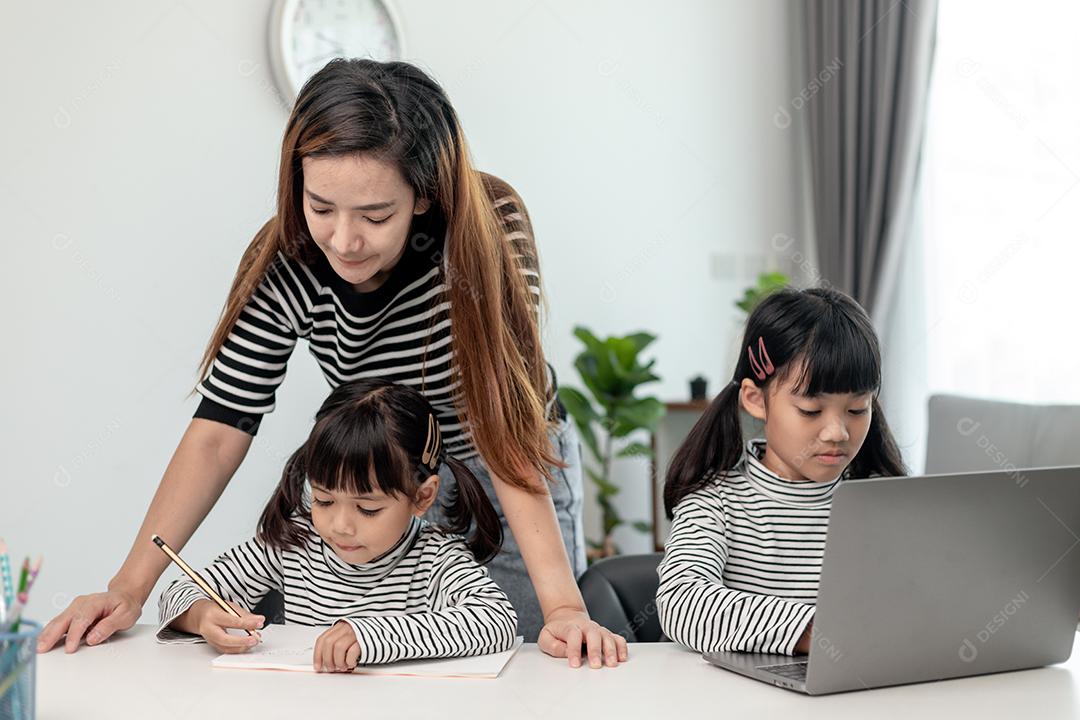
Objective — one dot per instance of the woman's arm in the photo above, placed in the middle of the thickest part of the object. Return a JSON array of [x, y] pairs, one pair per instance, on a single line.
[[204, 462], [566, 621], [532, 517]]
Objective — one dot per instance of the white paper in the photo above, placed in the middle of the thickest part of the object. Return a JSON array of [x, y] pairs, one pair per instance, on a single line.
[[291, 647]]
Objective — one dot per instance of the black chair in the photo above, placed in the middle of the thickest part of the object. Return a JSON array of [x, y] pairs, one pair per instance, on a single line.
[[620, 594], [272, 607]]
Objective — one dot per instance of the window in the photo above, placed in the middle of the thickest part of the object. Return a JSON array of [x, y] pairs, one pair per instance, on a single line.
[[1002, 203]]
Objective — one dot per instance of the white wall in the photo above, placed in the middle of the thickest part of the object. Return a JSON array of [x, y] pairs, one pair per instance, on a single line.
[[139, 147]]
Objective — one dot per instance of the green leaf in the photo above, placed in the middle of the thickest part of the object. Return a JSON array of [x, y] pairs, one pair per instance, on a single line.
[[610, 489], [641, 340], [589, 438], [607, 489], [767, 283], [597, 376], [584, 416], [635, 449], [642, 413], [624, 355], [586, 336], [639, 376], [618, 369], [642, 526], [577, 404], [611, 521]]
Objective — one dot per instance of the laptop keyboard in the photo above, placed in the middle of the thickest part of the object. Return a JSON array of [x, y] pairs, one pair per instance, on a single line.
[[791, 671]]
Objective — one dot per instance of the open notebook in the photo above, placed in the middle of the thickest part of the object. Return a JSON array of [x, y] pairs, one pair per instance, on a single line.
[[290, 647]]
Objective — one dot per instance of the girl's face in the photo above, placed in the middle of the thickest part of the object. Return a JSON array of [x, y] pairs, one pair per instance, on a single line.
[[358, 210], [808, 438], [360, 528]]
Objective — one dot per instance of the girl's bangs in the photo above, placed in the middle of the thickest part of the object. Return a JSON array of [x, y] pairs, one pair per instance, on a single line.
[[354, 456], [838, 357]]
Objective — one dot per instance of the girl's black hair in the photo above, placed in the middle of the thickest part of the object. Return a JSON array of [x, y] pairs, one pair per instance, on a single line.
[[370, 436], [825, 336]]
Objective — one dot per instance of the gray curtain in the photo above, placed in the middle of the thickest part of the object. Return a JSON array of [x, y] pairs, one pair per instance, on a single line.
[[867, 75]]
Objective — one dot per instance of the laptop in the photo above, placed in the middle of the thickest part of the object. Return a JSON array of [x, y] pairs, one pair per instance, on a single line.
[[935, 577]]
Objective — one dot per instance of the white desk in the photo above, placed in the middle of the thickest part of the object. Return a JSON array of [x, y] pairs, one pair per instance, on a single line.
[[132, 676]]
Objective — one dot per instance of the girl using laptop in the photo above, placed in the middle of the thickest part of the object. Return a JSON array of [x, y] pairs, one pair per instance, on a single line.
[[743, 559]]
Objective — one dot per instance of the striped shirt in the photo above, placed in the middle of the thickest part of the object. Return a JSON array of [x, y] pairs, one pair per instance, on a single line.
[[743, 561], [426, 597], [400, 331]]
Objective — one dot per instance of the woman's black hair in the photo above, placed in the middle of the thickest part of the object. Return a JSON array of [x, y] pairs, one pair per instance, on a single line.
[[828, 339], [375, 435]]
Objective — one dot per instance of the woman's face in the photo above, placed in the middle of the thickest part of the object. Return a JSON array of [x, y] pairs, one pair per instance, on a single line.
[[358, 210], [808, 437]]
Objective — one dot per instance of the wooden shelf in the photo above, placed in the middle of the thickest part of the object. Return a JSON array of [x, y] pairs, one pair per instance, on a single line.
[[698, 405], [673, 406]]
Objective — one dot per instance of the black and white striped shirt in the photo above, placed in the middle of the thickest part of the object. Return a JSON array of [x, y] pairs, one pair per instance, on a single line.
[[400, 331], [426, 597], [743, 561]]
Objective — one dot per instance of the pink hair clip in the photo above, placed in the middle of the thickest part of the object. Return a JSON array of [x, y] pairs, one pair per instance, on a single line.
[[762, 365]]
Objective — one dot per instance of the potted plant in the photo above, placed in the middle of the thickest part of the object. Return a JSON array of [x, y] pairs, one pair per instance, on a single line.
[[611, 371], [766, 283]]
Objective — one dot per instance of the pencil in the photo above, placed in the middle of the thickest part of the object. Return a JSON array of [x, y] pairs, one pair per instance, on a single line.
[[24, 575], [5, 571], [34, 573], [26, 584], [198, 580]]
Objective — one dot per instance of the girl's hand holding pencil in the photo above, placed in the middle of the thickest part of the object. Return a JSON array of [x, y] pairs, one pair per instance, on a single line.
[[207, 619], [212, 621]]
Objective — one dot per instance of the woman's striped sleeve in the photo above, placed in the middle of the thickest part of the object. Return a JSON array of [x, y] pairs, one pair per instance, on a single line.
[[696, 609], [473, 616], [244, 376]]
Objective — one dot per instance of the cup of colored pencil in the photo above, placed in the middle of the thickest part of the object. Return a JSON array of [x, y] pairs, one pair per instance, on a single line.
[[18, 639]]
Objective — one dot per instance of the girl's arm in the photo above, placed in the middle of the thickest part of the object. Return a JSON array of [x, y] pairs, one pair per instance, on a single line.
[[200, 469], [242, 575], [698, 611], [473, 616]]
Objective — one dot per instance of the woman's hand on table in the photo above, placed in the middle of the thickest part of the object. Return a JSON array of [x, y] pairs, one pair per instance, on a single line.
[[566, 631], [97, 615]]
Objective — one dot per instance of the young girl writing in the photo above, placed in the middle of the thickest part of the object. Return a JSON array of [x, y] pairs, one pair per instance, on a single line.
[[743, 559], [343, 540]]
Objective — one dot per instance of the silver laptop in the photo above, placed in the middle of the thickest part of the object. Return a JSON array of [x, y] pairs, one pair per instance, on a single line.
[[939, 576]]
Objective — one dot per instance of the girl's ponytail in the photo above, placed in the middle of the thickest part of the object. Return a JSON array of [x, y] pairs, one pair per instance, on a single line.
[[714, 444], [469, 505], [276, 525]]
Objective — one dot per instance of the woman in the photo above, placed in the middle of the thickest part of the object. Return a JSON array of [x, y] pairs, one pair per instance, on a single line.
[[396, 259]]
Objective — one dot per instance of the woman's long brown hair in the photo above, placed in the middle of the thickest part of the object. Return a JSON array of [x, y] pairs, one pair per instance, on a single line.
[[394, 111]]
